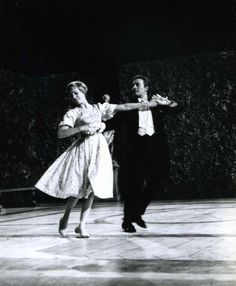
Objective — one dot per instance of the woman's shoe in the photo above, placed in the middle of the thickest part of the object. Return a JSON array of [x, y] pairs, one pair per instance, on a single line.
[[62, 227], [82, 233]]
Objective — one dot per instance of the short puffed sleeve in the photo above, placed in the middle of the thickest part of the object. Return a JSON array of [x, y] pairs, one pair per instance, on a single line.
[[69, 118], [108, 110]]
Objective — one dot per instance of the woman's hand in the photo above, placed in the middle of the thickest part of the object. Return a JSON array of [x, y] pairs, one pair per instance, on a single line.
[[153, 103], [89, 130], [161, 100], [93, 128], [145, 106]]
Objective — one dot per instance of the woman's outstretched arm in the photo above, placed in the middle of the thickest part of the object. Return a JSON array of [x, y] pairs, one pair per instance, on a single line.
[[133, 106]]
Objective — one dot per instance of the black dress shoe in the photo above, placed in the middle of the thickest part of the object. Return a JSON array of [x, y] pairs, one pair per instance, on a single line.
[[140, 222], [128, 227]]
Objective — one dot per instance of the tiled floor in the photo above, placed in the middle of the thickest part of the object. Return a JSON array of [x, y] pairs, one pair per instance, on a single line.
[[186, 243]]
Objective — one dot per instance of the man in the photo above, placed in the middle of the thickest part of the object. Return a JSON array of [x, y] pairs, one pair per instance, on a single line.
[[145, 158]]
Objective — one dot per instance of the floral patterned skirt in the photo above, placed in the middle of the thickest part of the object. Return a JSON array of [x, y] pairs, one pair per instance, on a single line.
[[85, 167]]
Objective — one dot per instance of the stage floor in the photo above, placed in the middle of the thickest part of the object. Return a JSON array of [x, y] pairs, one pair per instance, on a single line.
[[186, 243]]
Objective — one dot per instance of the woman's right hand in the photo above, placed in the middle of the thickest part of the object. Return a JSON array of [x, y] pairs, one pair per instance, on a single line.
[[92, 128], [89, 130]]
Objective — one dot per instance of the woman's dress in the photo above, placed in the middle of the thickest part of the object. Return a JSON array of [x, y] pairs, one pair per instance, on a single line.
[[86, 166]]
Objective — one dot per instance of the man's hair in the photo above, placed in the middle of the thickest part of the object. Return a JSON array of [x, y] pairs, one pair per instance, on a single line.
[[143, 77]]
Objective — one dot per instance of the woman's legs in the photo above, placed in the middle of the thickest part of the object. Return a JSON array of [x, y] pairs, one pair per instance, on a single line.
[[85, 210], [71, 202]]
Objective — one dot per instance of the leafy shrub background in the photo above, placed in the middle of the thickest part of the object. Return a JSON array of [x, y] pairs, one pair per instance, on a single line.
[[31, 108], [202, 136]]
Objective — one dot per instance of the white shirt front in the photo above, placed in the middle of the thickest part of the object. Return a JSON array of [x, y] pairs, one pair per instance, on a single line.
[[145, 125]]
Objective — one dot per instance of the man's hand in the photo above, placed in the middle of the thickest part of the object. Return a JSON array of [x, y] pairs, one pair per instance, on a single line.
[[161, 100], [153, 103]]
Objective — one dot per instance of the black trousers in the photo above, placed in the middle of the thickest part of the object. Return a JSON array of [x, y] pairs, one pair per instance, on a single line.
[[147, 168]]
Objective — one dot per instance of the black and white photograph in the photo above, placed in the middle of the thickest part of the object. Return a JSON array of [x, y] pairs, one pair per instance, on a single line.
[[118, 143]]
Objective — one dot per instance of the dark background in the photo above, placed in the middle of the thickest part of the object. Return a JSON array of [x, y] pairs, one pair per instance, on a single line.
[[186, 47], [95, 37]]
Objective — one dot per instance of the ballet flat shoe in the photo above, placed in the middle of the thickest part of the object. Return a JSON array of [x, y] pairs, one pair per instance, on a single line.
[[81, 233]]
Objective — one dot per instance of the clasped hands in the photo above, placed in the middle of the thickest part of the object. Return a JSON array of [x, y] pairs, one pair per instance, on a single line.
[[92, 128], [156, 100]]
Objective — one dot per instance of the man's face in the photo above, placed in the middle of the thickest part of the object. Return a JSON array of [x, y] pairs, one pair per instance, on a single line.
[[138, 88]]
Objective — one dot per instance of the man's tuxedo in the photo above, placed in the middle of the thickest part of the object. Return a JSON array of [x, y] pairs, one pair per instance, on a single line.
[[144, 161]]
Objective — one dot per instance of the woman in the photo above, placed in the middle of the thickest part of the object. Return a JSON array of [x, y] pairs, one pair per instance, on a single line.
[[84, 170]]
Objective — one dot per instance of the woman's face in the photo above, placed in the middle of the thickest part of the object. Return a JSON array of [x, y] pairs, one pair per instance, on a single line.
[[77, 96]]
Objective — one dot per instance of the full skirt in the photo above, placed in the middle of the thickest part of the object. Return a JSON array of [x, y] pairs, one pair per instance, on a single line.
[[85, 167]]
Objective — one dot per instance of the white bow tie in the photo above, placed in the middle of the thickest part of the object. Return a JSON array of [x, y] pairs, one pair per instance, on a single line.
[[143, 100]]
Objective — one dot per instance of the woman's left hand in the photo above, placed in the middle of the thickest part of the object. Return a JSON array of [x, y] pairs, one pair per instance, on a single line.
[[161, 100], [145, 106]]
